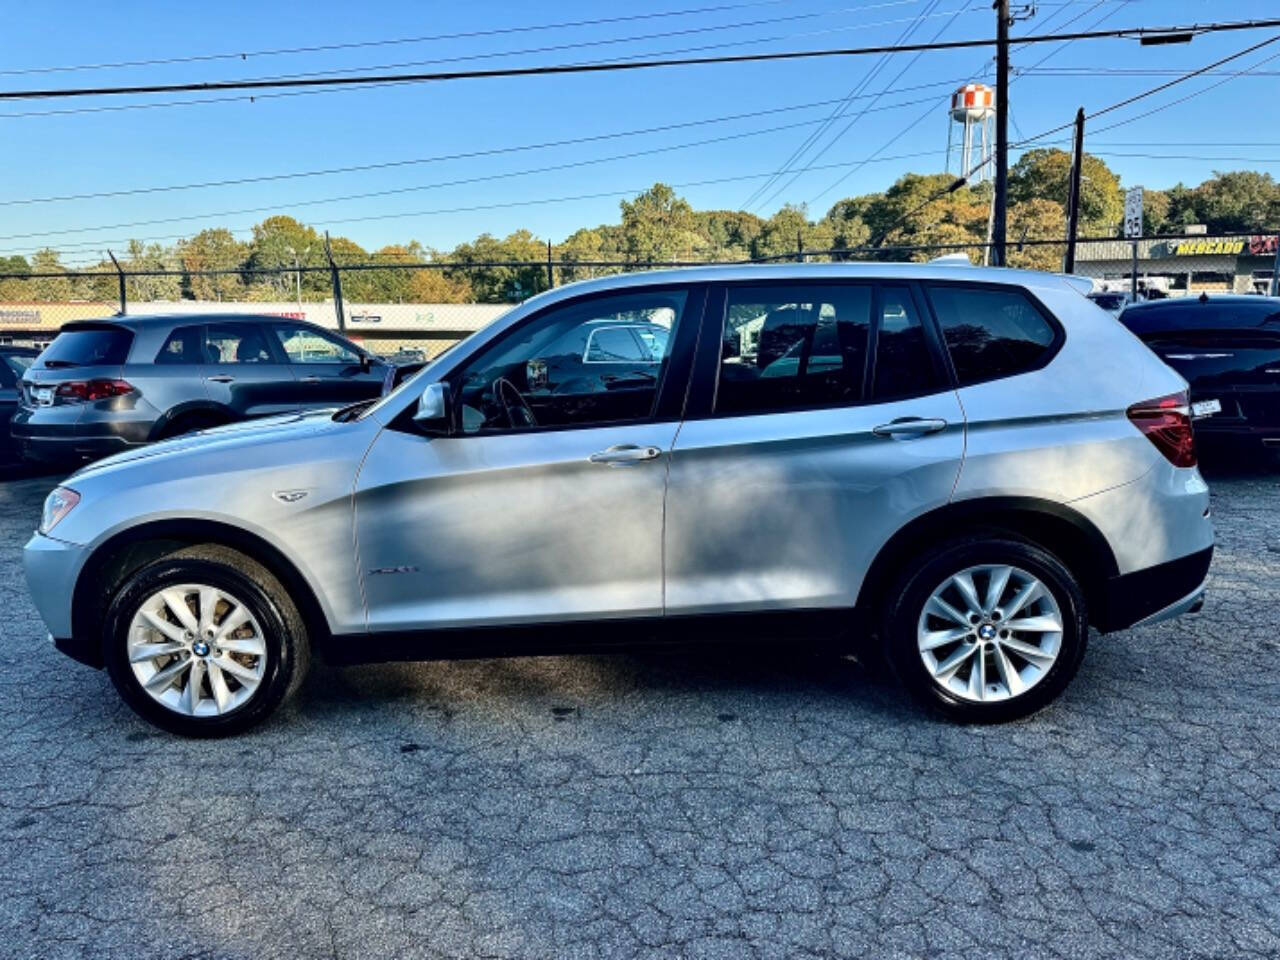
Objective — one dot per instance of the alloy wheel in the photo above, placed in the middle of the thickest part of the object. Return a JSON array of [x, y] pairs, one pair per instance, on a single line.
[[197, 650], [990, 633]]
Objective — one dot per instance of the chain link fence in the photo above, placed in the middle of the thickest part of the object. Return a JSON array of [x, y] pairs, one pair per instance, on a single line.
[[407, 311]]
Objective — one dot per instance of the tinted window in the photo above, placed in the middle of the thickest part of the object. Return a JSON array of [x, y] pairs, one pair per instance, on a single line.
[[990, 333], [903, 365], [17, 363], [615, 345], [183, 346], [237, 343], [582, 363], [88, 347], [791, 348], [307, 345]]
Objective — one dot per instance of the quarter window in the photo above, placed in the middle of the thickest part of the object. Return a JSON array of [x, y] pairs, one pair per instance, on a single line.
[[792, 348], [592, 362], [990, 333]]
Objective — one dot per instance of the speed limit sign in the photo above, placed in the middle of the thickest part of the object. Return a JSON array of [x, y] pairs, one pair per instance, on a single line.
[[1133, 212]]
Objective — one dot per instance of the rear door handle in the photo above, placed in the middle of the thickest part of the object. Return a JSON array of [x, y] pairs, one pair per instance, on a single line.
[[221, 378], [311, 379], [625, 453], [908, 427]]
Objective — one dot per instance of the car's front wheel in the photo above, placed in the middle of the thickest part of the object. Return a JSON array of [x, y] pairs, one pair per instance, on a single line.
[[204, 642], [987, 629]]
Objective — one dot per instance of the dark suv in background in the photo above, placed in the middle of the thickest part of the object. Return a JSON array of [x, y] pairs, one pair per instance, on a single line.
[[1228, 349], [104, 386]]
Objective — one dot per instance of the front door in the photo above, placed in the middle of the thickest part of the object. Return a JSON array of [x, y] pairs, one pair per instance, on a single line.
[[820, 421], [327, 368], [546, 504]]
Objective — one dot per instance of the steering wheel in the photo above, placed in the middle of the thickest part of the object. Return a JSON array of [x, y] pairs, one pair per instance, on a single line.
[[513, 404]]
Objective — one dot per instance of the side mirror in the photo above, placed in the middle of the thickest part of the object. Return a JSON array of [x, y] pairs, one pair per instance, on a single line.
[[365, 363], [434, 415]]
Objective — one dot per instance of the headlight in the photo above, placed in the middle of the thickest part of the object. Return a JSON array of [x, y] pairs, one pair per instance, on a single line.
[[56, 506]]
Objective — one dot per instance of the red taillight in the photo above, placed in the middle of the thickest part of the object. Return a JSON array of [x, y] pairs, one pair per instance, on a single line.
[[1166, 421], [83, 391]]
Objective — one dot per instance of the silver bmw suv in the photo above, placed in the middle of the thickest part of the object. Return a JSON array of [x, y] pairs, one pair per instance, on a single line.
[[955, 469]]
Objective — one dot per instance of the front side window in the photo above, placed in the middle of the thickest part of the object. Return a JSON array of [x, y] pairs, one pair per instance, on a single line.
[[307, 345], [596, 361], [183, 346], [990, 333], [237, 343]]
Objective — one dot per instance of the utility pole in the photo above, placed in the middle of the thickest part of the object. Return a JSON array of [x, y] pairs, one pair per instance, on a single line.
[[1001, 199], [1073, 196]]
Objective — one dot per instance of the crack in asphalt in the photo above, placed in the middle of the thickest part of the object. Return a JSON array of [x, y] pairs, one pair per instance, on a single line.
[[661, 805]]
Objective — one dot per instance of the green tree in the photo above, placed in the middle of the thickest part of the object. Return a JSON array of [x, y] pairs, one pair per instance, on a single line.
[[14, 288], [1242, 200], [593, 243], [48, 288], [1036, 220], [848, 220], [147, 289], [659, 225], [920, 210], [215, 249], [728, 234], [504, 284], [789, 229], [1045, 174], [278, 243]]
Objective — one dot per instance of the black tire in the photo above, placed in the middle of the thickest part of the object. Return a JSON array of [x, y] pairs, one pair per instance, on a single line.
[[288, 651], [906, 603]]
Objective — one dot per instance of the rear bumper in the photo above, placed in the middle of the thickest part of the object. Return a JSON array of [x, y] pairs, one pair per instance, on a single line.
[[70, 449], [1157, 593]]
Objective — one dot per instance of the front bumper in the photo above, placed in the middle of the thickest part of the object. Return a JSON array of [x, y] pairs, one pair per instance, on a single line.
[[51, 567], [1157, 593]]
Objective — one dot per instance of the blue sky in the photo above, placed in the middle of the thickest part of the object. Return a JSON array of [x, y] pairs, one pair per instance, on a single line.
[[53, 154]]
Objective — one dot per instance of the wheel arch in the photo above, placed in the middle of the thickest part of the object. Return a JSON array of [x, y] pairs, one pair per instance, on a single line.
[[119, 557], [1065, 532], [160, 429]]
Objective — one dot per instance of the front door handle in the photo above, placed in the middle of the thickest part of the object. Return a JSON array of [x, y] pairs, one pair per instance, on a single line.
[[311, 379], [221, 378], [908, 427], [625, 453]]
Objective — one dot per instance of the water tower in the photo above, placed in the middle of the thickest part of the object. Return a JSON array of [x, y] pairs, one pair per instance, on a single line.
[[973, 108]]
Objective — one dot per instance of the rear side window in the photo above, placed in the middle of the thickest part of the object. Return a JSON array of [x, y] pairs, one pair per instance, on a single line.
[[990, 333], [88, 347], [183, 346], [792, 348], [903, 365]]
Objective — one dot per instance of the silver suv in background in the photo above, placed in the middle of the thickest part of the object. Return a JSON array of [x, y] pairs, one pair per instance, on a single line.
[[958, 469], [104, 386]]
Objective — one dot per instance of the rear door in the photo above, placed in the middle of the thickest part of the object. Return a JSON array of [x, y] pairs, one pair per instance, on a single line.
[[820, 420], [246, 372], [327, 368]]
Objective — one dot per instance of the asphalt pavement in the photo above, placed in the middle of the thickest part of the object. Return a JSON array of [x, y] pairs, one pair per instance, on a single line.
[[665, 805]]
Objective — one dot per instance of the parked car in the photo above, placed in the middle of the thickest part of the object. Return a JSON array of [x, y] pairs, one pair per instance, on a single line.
[[13, 364], [1111, 301], [991, 467], [104, 386], [1228, 348]]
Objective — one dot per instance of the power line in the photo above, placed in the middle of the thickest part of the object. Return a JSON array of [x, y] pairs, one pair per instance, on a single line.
[[803, 146], [573, 164], [570, 68], [465, 155], [928, 112], [98, 242], [393, 41]]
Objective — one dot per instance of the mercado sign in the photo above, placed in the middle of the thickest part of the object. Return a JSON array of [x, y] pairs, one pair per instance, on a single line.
[[1263, 245]]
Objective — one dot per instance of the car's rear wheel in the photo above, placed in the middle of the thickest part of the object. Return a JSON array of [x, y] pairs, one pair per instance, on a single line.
[[987, 629], [204, 642]]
